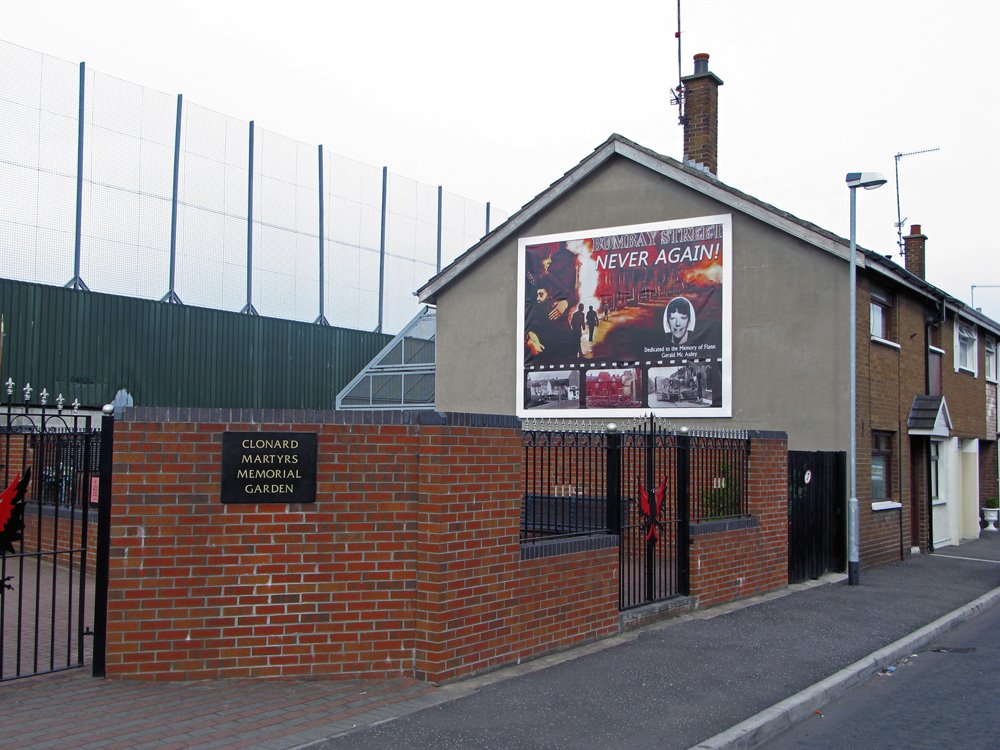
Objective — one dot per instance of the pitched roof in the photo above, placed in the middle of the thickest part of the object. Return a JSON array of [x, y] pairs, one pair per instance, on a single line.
[[929, 416], [619, 146]]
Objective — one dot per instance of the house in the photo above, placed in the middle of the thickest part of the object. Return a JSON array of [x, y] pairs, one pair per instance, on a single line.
[[733, 314]]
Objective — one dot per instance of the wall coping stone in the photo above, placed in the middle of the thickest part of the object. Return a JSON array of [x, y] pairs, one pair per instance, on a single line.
[[159, 414], [723, 524], [554, 547]]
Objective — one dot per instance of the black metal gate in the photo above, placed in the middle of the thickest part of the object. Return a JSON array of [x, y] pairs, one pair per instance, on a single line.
[[646, 483], [654, 527], [51, 574], [816, 514]]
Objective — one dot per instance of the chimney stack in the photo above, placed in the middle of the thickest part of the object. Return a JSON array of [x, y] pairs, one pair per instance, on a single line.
[[701, 116], [915, 250]]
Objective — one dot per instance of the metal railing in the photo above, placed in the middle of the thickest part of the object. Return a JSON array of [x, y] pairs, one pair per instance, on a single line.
[[647, 483], [45, 599]]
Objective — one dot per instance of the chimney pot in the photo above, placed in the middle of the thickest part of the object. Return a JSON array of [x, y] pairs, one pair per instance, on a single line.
[[914, 229], [701, 63]]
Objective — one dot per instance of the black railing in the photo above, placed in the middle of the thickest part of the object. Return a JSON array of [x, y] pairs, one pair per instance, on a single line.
[[718, 476], [565, 484], [46, 606], [647, 483]]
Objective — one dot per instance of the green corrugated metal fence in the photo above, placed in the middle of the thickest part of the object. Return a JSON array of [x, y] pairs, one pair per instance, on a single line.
[[88, 346]]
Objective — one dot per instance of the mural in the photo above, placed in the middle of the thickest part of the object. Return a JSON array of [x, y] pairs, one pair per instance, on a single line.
[[622, 320]]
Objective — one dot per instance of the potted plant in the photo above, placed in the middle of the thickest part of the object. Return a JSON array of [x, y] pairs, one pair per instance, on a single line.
[[991, 509]]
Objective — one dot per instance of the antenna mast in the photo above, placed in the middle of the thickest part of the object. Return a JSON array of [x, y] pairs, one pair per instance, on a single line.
[[899, 216], [677, 95]]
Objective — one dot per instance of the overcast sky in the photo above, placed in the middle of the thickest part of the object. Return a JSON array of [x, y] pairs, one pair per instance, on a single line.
[[496, 101]]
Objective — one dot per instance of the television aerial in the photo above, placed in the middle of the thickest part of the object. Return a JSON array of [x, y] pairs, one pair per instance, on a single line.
[[899, 217]]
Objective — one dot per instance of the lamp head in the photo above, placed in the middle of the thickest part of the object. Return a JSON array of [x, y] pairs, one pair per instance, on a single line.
[[866, 180]]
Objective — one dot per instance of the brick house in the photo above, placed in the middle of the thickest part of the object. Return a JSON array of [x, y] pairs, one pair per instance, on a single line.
[[926, 363]]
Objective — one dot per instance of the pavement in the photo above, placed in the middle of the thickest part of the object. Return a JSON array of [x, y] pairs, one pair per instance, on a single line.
[[728, 677]]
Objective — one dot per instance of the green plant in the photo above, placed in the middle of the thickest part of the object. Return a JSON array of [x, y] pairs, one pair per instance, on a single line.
[[991, 502], [724, 498]]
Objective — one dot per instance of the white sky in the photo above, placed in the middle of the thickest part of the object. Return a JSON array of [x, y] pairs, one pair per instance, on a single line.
[[496, 101]]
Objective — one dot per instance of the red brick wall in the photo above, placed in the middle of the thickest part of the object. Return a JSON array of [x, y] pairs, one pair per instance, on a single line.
[[729, 565], [987, 470], [966, 394], [408, 563], [888, 379]]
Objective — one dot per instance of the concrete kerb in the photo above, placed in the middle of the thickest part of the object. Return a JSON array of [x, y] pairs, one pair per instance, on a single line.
[[770, 722]]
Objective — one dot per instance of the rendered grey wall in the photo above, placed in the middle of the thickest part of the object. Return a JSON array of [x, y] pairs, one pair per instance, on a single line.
[[789, 328]]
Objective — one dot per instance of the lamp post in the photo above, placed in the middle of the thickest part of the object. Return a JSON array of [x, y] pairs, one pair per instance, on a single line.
[[868, 181]]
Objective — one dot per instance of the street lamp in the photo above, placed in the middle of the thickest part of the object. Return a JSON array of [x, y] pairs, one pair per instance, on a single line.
[[868, 181]]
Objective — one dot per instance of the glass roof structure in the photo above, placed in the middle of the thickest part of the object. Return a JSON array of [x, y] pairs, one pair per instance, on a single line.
[[401, 376]]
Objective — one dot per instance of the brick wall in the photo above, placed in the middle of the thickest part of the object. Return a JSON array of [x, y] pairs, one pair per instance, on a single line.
[[733, 562], [889, 376], [987, 471], [408, 563]]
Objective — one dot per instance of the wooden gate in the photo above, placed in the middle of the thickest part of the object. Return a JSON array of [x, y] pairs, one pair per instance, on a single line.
[[816, 514]]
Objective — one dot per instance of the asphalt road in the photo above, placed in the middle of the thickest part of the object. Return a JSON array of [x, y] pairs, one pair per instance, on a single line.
[[945, 696], [669, 687]]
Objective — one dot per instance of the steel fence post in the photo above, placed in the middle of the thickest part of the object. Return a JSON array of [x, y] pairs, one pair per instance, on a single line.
[[103, 553], [613, 474], [684, 512]]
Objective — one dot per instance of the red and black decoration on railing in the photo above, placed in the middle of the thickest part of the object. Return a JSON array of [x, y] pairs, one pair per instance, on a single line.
[[12, 502], [651, 511]]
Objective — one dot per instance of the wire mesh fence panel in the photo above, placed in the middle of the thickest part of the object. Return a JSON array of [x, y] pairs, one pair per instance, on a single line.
[[463, 224], [129, 243], [38, 119], [353, 201], [286, 227], [212, 209]]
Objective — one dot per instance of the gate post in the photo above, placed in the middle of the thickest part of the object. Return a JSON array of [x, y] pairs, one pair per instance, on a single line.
[[102, 557], [684, 512], [613, 475]]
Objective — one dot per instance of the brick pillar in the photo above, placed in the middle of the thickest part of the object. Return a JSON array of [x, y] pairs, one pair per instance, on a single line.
[[701, 116], [768, 502], [468, 550], [915, 248]]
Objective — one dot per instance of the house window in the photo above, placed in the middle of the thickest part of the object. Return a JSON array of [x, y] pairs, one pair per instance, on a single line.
[[991, 360], [967, 347], [881, 306], [935, 446], [881, 465], [934, 360]]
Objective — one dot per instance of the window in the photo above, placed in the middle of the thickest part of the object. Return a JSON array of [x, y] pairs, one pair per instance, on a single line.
[[934, 357], [881, 306], [881, 466], [967, 347], [934, 469], [991, 360]]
